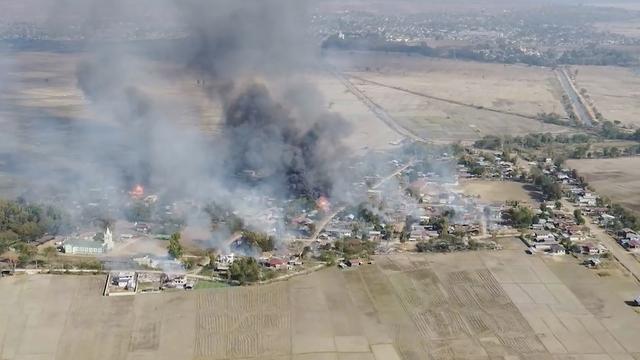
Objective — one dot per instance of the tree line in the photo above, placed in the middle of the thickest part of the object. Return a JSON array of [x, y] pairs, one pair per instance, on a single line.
[[23, 222]]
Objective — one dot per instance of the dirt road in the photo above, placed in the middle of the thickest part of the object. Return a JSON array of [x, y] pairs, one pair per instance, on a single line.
[[626, 259], [378, 111]]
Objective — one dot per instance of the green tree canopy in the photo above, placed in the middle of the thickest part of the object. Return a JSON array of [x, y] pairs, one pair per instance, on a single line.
[[175, 248], [245, 270]]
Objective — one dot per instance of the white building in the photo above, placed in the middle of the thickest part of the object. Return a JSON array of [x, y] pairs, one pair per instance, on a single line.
[[88, 245]]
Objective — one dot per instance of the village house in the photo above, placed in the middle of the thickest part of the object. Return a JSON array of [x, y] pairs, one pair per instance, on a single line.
[[177, 281], [588, 199], [354, 262], [124, 280], [543, 236], [631, 245], [223, 262], [591, 249], [275, 263], [606, 219], [142, 228], [557, 249]]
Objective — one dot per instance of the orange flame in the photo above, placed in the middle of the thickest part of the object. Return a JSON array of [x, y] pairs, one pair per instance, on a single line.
[[323, 204], [137, 191]]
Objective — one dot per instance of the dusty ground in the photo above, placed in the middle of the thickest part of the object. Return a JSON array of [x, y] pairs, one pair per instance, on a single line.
[[45, 89], [367, 131], [625, 28], [500, 191], [458, 306], [40, 92], [614, 178], [615, 91], [511, 88]]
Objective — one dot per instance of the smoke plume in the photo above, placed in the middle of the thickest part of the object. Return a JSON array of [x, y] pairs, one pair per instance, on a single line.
[[275, 136]]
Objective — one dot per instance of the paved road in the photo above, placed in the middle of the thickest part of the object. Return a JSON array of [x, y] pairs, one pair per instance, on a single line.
[[626, 259], [582, 112]]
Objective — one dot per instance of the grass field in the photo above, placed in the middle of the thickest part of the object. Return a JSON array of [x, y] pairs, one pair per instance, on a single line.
[[204, 284], [614, 90], [481, 305], [618, 179], [472, 87], [501, 191]]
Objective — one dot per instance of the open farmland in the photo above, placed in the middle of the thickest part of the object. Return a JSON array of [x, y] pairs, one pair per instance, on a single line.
[[618, 179], [464, 100], [614, 90], [625, 28], [41, 89], [501, 191], [480, 305]]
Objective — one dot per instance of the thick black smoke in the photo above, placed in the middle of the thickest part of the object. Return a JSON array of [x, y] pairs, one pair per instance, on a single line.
[[249, 58], [283, 143]]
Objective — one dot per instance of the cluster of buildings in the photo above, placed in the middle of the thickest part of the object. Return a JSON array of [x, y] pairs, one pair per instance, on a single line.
[[487, 165], [267, 260], [133, 282], [506, 36], [554, 234]]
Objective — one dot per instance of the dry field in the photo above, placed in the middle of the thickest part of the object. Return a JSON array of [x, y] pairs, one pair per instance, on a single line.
[[618, 179], [625, 28], [43, 88], [367, 131], [622, 4], [484, 305], [509, 88], [615, 91], [43, 91], [500, 191]]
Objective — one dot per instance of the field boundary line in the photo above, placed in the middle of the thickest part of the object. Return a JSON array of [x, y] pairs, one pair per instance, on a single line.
[[450, 101]]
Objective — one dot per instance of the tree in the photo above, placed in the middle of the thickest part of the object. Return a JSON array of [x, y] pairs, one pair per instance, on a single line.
[[50, 252], [543, 207], [521, 216], [26, 253], [7, 239], [388, 231], [245, 270], [175, 248], [558, 205], [261, 240], [577, 213], [188, 263], [139, 211], [29, 231]]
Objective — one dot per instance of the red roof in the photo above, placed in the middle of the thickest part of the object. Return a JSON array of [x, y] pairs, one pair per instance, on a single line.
[[275, 262]]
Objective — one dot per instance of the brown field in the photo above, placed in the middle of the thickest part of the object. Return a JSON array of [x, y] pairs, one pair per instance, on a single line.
[[500, 191], [627, 28], [618, 179], [46, 91], [482, 305], [622, 4], [615, 91], [510, 88]]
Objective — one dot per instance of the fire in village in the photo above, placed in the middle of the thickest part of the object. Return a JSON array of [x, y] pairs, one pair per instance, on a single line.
[[409, 199]]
